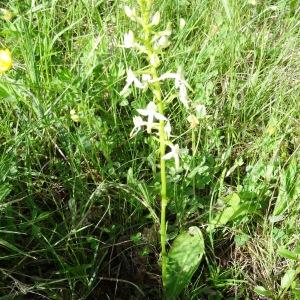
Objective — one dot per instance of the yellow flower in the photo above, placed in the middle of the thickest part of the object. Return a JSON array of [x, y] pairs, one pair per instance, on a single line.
[[74, 116], [193, 121], [5, 60]]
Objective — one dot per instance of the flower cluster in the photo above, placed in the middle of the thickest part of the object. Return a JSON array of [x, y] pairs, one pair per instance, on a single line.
[[151, 44]]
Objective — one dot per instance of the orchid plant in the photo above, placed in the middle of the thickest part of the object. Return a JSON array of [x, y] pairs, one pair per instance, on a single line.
[[152, 119]]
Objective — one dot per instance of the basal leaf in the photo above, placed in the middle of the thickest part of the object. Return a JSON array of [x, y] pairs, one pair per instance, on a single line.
[[183, 260]]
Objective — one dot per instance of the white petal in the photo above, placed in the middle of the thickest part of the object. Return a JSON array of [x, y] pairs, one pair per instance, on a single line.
[[177, 162], [138, 121], [183, 95], [151, 107], [182, 23], [146, 77], [169, 76], [160, 117], [128, 11], [129, 39], [125, 89], [155, 19], [143, 112], [168, 156], [163, 42], [134, 131], [154, 60], [138, 84], [168, 129], [131, 78]]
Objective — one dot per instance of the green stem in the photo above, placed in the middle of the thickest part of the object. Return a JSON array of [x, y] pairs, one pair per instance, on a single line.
[[194, 153], [156, 89], [163, 178]]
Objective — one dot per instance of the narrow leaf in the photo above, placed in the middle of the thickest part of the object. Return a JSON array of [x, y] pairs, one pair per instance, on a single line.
[[288, 278]]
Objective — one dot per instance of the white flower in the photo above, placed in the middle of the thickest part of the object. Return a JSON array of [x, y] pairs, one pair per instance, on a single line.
[[154, 60], [182, 23], [166, 32], [130, 13], [180, 84], [168, 129], [162, 43], [253, 2], [151, 113], [182, 93], [200, 111], [138, 123], [155, 19], [174, 153], [131, 78], [129, 39], [146, 78]]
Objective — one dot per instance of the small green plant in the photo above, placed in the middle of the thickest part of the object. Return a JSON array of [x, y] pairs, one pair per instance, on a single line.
[[289, 283], [188, 248]]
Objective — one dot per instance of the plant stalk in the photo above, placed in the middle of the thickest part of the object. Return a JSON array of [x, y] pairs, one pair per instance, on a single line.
[[156, 89]]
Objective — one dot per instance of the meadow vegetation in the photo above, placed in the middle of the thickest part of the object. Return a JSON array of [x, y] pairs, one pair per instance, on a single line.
[[80, 190]]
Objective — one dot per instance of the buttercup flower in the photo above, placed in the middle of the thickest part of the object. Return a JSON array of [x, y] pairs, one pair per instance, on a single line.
[[5, 60], [174, 153], [151, 113]]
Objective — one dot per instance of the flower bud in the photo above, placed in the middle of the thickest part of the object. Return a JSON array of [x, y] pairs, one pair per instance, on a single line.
[[154, 60], [155, 19], [130, 13], [162, 43], [182, 23]]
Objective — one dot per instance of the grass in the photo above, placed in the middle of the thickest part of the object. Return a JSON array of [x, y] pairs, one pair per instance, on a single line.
[[78, 200]]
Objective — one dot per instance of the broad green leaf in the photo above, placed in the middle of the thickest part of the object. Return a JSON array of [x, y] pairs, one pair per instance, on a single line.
[[230, 213], [232, 200], [198, 171], [183, 260], [288, 278], [288, 254], [260, 290]]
